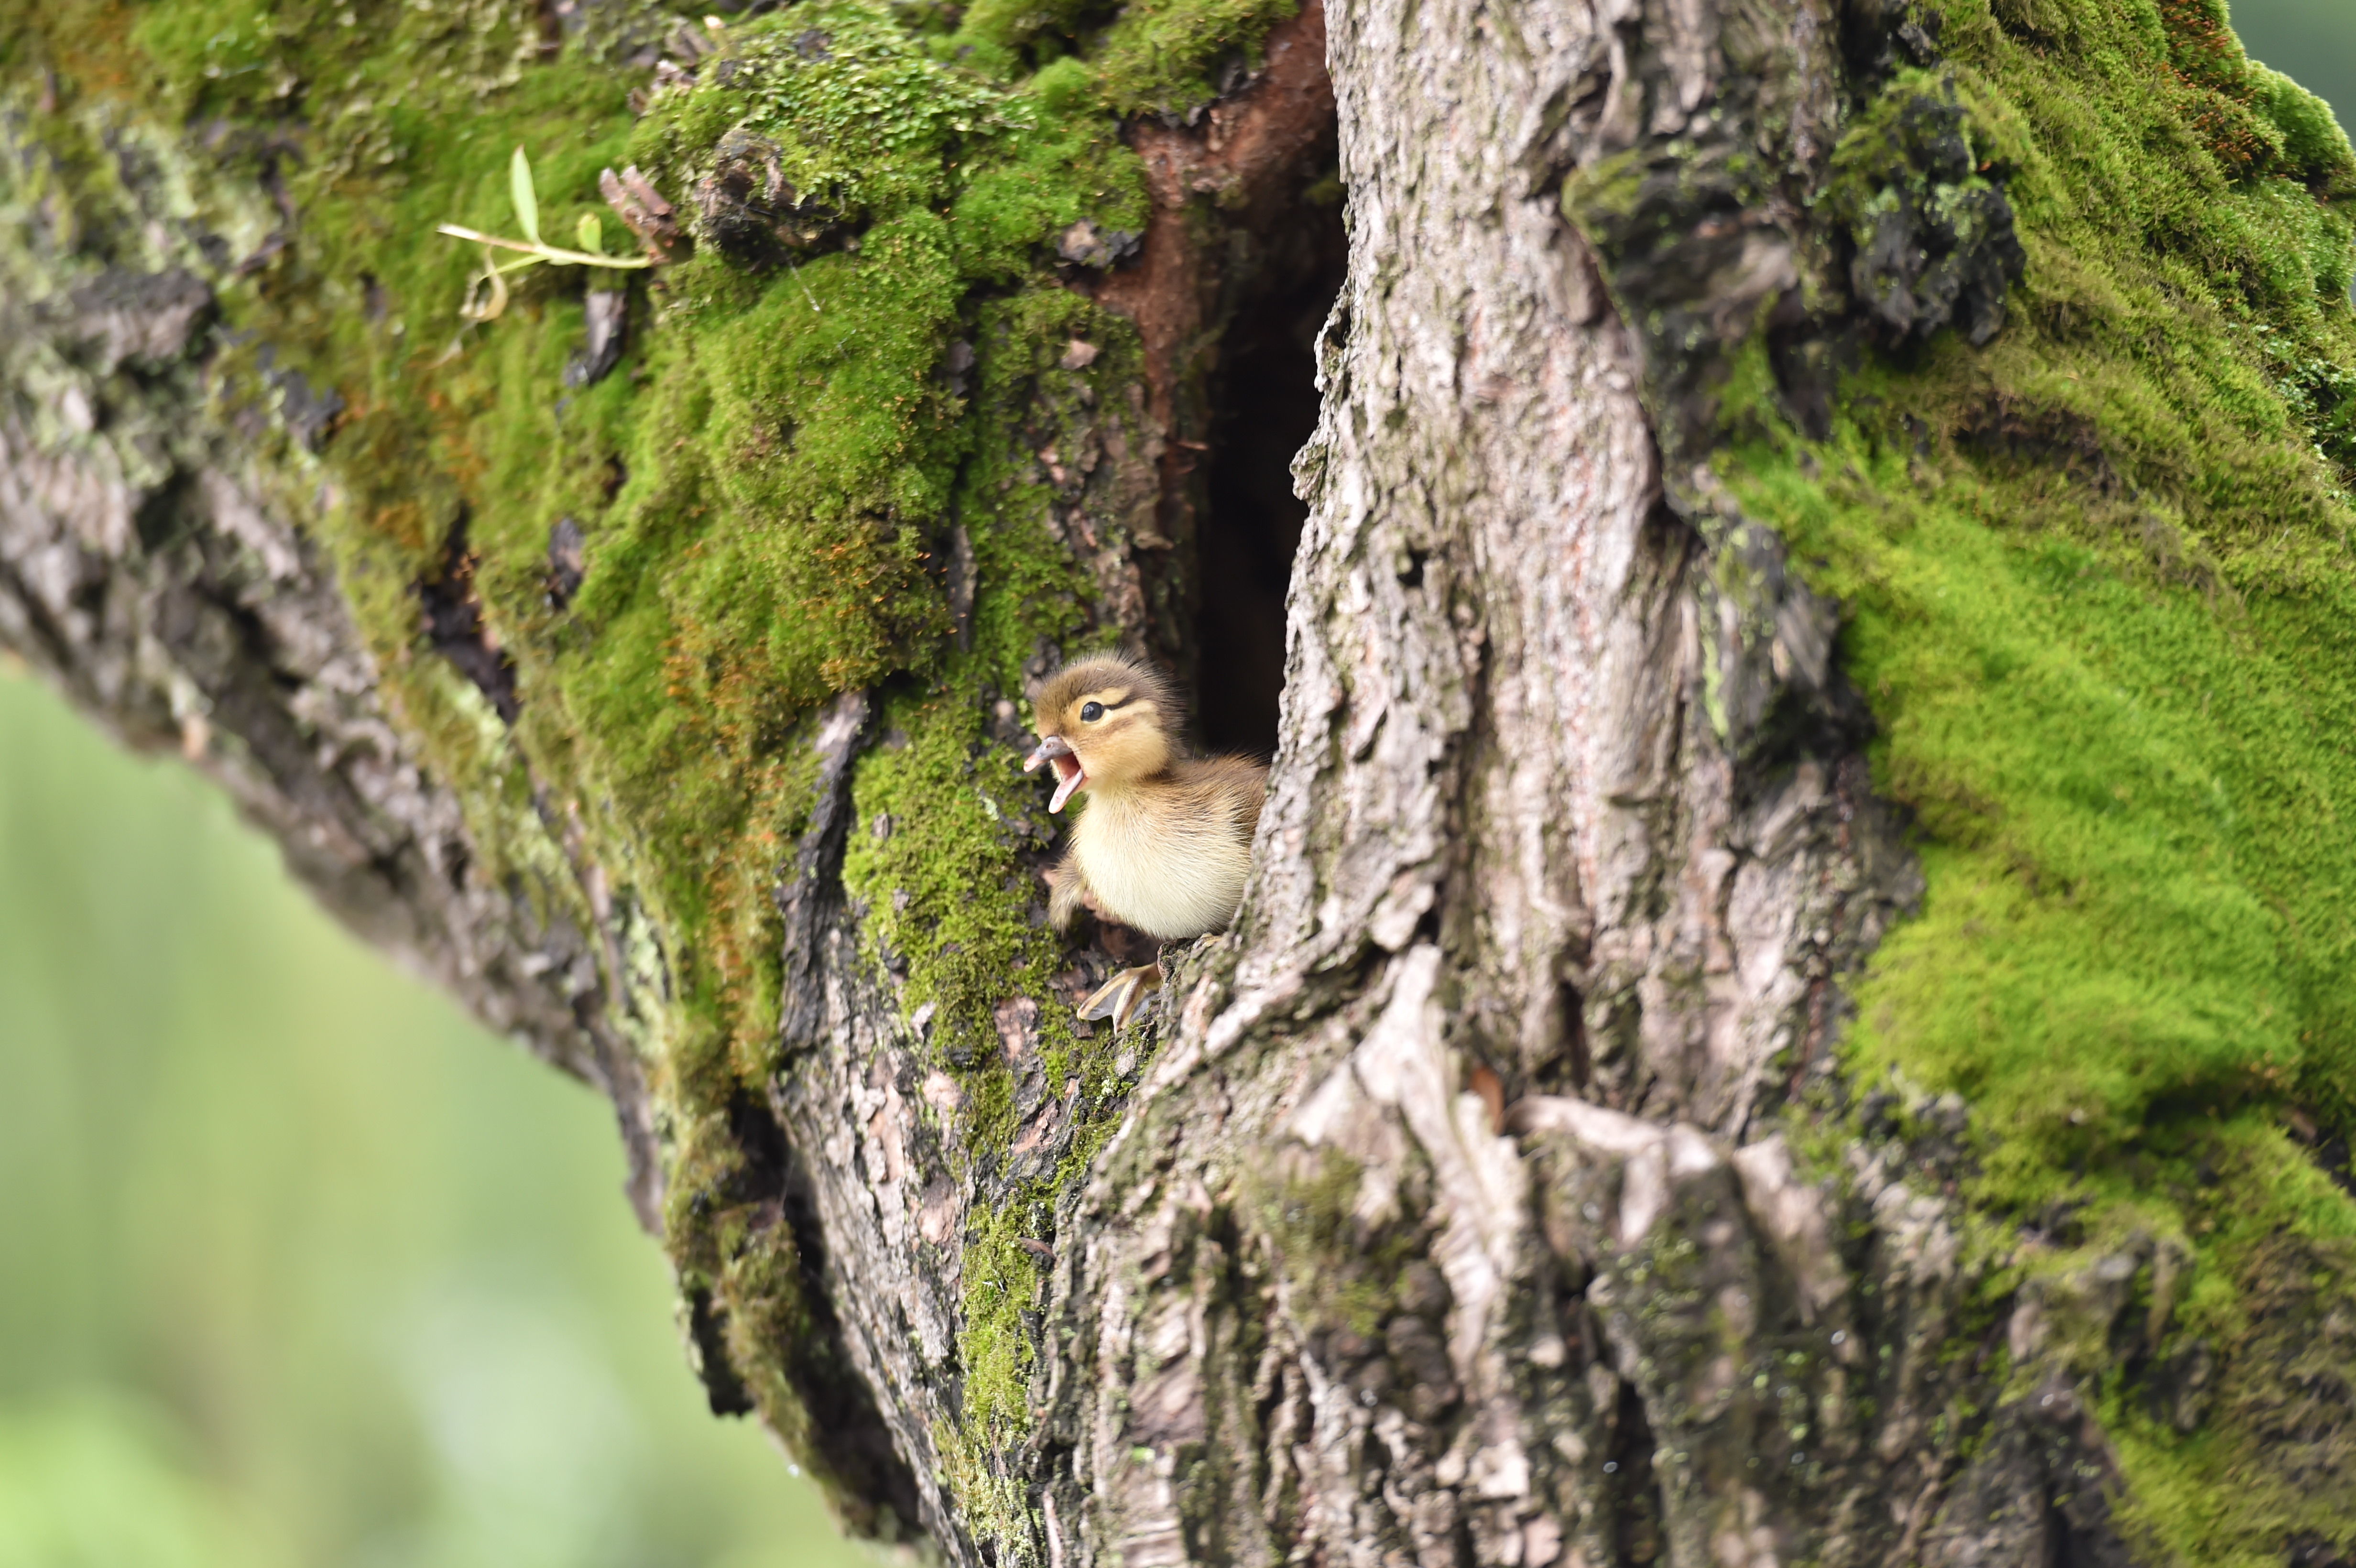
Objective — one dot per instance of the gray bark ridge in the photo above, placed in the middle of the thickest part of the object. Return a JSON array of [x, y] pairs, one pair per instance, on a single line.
[[1454, 1222]]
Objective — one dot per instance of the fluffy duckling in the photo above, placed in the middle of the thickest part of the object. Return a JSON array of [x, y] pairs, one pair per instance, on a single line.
[[1165, 843]]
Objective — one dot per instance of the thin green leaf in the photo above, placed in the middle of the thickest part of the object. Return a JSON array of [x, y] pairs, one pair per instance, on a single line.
[[546, 252], [593, 234], [527, 200]]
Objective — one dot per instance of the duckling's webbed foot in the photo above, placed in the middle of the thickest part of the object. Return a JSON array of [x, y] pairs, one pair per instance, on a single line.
[[1119, 997]]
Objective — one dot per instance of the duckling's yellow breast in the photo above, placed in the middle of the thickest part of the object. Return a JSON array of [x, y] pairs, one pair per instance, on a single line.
[[1171, 874]]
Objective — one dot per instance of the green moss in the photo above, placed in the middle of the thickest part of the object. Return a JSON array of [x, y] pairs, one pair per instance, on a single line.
[[1342, 1270], [1158, 58], [1151, 56], [2100, 588], [935, 867], [945, 819]]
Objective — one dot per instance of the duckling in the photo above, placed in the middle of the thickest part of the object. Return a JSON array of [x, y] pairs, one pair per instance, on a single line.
[[1165, 843]]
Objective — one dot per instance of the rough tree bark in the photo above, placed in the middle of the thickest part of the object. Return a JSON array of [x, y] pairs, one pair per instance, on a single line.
[[1499, 1190]]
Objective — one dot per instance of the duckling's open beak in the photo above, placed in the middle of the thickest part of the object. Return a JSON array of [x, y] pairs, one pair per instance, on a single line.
[[1069, 774]]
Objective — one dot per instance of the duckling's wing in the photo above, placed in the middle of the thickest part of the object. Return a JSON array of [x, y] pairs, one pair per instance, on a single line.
[[1069, 895], [1226, 789]]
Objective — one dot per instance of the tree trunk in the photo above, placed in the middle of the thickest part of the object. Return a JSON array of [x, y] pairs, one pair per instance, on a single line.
[[1710, 1069]]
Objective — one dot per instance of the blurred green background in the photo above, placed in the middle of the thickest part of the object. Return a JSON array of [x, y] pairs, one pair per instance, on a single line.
[[297, 1266], [2313, 42]]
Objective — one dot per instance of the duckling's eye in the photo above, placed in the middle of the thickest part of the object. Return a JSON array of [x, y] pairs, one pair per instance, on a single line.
[[1091, 712]]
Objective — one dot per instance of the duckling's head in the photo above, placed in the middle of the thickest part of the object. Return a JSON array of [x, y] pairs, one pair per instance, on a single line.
[[1104, 722]]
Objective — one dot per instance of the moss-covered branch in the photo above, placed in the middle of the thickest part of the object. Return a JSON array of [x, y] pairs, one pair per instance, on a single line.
[[868, 435]]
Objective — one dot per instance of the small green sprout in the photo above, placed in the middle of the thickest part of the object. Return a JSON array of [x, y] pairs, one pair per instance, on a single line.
[[487, 291]]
